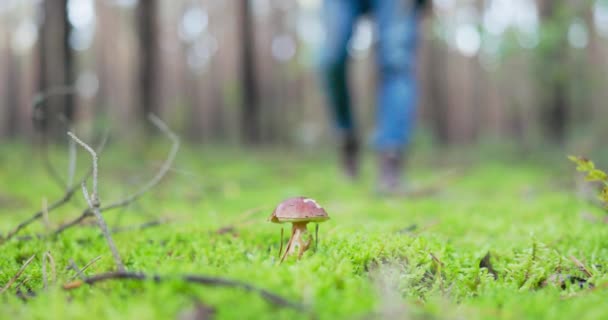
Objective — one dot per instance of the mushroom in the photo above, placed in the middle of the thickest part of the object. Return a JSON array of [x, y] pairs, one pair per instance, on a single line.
[[299, 211]]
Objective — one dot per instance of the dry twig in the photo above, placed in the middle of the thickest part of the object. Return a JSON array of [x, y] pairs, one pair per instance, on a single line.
[[79, 272], [145, 225], [17, 275], [196, 279], [153, 182], [581, 266], [45, 215], [94, 203], [69, 192], [48, 257]]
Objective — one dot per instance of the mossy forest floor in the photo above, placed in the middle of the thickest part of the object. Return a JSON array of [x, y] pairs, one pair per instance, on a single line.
[[414, 257]]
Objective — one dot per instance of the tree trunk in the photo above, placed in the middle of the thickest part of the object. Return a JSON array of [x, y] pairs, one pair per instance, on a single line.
[[555, 104], [250, 129], [12, 94], [56, 113], [148, 73], [437, 85]]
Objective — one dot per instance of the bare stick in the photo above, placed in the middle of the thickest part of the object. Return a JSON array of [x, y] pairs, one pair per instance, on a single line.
[[195, 279], [581, 266], [45, 215], [79, 272], [48, 257], [85, 213], [142, 226], [95, 161], [66, 197], [72, 265], [243, 220], [17, 275], [439, 267], [153, 182], [23, 282], [72, 163], [94, 203], [163, 170]]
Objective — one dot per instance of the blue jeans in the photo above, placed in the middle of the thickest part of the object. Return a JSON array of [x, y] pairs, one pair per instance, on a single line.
[[396, 22]]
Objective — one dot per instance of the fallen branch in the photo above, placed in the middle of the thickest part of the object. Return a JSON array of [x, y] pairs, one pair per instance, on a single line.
[[242, 220], [29, 293], [163, 170], [17, 275], [272, 298], [581, 266], [153, 182], [45, 215], [79, 272], [48, 257], [94, 203], [69, 192], [142, 226]]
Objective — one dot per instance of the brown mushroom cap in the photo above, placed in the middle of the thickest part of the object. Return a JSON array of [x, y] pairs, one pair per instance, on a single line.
[[298, 209]]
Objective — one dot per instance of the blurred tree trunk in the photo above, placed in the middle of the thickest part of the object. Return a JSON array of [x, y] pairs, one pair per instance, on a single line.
[[437, 86], [9, 69], [148, 73], [12, 94], [596, 64], [103, 45], [250, 128], [56, 69], [554, 106]]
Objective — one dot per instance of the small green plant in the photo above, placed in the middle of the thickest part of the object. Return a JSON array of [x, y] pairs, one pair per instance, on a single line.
[[593, 174]]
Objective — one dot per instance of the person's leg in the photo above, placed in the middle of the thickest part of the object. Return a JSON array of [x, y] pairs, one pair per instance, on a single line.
[[397, 22], [339, 17]]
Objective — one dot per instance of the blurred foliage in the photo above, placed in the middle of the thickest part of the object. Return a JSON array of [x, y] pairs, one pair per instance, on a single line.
[[593, 174]]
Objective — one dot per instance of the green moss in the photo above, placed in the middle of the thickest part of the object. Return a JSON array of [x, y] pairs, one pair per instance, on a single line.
[[377, 257]]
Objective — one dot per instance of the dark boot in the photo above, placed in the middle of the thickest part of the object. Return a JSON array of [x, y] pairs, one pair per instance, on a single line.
[[349, 156], [390, 166]]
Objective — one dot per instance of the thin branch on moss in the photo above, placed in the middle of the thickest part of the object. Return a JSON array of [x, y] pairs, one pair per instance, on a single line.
[[79, 272], [581, 266], [72, 154], [17, 275], [72, 265], [94, 203], [163, 170], [241, 221], [47, 257], [22, 283], [153, 182], [67, 196], [270, 297], [139, 227], [45, 215]]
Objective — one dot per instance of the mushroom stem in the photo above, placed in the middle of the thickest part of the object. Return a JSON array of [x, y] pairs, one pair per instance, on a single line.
[[298, 230]]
